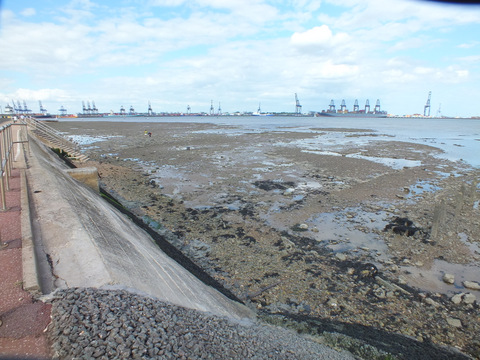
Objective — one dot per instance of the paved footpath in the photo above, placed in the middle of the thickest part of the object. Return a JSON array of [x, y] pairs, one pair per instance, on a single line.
[[22, 319]]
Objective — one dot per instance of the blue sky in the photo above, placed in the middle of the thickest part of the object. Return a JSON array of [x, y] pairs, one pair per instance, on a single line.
[[240, 53]]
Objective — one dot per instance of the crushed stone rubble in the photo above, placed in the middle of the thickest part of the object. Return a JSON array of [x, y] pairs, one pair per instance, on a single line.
[[117, 324]]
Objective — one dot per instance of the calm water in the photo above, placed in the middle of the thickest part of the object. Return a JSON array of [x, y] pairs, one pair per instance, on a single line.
[[458, 138]]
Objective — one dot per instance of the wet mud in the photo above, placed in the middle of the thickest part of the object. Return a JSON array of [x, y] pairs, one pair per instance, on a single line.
[[316, 232]]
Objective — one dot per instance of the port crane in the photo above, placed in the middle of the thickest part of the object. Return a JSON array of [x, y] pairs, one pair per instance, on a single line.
[[188, 109], [42, 109], [150, 111], [331, 107], [219, 109], [212, 110], [298, 107], [94, 108], [343, 106], [377, 106], [426, 108], [62, 110], [356, 107], [367, 106]]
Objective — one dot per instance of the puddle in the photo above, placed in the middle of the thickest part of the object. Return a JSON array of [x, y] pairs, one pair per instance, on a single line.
[[420, 188], [396, 164], [430, 279], [342, 232], [473, 246], [88, 140]]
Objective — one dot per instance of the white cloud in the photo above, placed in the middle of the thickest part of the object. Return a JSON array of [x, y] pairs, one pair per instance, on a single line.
[[237, 52], [318, 36], [29, 12]]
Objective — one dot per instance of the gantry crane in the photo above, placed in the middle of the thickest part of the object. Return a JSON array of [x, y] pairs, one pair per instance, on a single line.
[[150, 111], [298, 107], [94, 108], [42, 109], [367, 106], [426, 109], [356, 107], [331, 107], [212, 110]]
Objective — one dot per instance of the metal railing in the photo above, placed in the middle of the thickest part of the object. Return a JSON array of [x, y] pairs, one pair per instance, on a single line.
[[8, 139], [54, 138]]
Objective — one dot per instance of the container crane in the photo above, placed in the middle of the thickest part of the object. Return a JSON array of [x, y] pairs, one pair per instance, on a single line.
[[298, 107], [367, 106], [150, 111], [343, 107], [331, 107], [426, 108], [62, 110], [377, 106], [42, 109], [212, 110], [356, 107]]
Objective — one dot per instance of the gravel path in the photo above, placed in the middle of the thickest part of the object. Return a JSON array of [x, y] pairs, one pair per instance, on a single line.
[[116, 324]]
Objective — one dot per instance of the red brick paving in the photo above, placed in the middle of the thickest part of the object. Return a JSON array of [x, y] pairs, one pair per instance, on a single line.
[[23, 320]]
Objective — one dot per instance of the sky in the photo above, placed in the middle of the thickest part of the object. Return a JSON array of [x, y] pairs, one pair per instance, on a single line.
[[240, 54]]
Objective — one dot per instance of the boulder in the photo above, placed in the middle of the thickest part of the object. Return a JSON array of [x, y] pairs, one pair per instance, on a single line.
[[448, 278], [473, 285]]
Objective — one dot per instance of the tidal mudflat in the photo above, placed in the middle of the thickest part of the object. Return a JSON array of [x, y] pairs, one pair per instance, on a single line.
[[345, 224]]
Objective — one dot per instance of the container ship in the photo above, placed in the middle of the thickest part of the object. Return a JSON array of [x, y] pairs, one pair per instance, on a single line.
[[357, 112]]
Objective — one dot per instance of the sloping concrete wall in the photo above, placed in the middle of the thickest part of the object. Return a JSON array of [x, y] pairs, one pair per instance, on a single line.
[[88, 243]]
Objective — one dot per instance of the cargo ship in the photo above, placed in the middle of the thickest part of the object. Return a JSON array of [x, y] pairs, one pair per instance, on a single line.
[[357, 112]]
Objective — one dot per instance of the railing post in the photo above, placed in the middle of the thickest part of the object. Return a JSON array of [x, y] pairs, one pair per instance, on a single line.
[[2, 172]]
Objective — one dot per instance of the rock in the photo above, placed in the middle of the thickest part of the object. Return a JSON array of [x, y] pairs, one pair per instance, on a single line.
[[473, 285], [431, 302], [341, 256], [457, 298], [448, 278], [332, 302], [289, 191], [469, 298], [303, 226], [454, 322]]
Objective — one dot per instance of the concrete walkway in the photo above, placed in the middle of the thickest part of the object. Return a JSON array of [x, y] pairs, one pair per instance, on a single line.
[[22, 318]]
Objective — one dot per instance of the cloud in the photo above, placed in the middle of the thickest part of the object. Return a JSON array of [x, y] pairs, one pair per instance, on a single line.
[[29, 12], [175, 52]]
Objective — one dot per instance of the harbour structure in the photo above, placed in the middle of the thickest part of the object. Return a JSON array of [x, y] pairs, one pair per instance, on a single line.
[[298, 107], [43, 111], [149, 111], [89, 110], [62, 111], [212, 110], [357, 112], [426, 108]]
